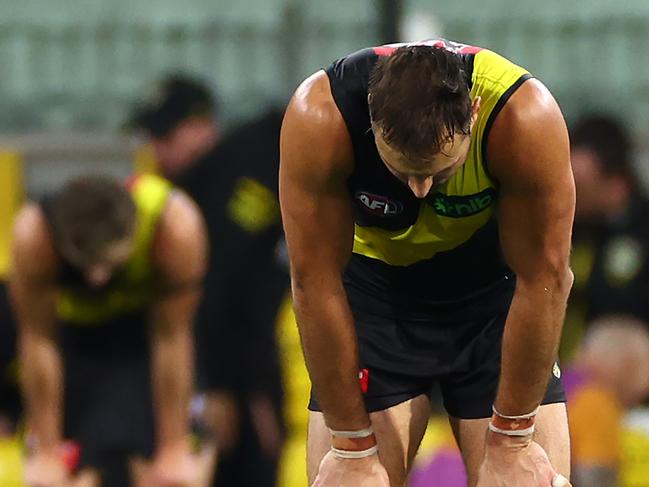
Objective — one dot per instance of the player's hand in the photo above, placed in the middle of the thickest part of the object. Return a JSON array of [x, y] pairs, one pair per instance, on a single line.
[[46, 469], [511, 461], [339, 472], [172, 466]]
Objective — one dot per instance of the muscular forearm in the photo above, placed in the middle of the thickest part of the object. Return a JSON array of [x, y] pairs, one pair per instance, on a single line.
[[172, 366], [530, 343], [331, 352], [42, 385]]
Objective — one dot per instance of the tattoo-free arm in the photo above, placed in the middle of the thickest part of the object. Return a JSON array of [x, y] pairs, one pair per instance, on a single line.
[[180, 257], [31, 284], [315, 152], [530, 153]]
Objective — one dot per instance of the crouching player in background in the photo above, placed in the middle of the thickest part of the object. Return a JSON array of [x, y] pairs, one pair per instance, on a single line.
[[105, 282]]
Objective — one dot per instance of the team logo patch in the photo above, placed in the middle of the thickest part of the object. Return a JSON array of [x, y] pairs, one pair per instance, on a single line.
[[378, 205]]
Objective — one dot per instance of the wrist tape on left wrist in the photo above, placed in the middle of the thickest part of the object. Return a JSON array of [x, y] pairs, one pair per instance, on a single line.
[[353, 454], [520, 425]]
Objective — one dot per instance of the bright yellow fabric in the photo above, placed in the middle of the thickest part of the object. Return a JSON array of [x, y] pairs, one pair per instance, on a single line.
[[292, 470], [136, 288], [439, 436], [595, 427], [492, 77], [11, 197], [11, 462], [634, 471], [253, 206]]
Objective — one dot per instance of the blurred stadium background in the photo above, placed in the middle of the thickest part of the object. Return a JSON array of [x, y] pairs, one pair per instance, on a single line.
[[71, 70]]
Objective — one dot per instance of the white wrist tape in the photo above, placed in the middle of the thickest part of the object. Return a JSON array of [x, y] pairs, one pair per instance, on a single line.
[[526, 432], [522, 416], [364, 433], [355, 455], [560, 481]]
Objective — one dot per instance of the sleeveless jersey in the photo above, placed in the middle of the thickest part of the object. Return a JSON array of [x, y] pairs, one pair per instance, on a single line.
[[133, 286], [444, 247]]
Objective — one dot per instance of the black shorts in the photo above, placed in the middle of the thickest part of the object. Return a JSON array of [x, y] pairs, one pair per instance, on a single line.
[[455, 347], [108, 407]]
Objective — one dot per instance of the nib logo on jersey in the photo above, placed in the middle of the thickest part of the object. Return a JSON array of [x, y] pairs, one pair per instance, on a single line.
[[462, 206], [378, 205]]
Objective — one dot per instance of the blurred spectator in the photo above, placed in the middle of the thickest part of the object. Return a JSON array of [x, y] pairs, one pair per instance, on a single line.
[[610, 375], [610, 256], [234, 181]]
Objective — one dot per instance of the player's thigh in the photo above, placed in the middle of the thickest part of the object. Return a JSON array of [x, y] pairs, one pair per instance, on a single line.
[[398, 430], [551, 434]]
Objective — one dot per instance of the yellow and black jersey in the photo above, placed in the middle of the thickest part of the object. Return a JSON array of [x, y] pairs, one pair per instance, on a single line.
[[442, 248], [134, 285]]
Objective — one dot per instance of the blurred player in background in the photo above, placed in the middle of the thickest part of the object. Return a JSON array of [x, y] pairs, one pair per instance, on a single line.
[[610, 375], [233, 179], [428, 201], [105, 282], [610, 255]]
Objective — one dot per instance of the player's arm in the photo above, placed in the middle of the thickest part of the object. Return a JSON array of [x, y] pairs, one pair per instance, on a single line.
[[529, 155], [316, 160], [32, 288], [180, 256]]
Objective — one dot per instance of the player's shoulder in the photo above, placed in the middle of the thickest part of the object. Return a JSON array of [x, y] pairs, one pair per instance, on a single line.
[[180, 244], [314, 134], [312, 103], [33, 249], [530, 125], [181, 218], [531, 101]]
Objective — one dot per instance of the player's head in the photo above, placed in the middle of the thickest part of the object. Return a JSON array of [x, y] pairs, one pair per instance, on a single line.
[[180, 120], [615, 351], [601, 162], [422, 115], [93, 222]]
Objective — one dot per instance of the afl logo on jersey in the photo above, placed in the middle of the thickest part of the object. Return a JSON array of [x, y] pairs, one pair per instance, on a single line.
[[378, 205]]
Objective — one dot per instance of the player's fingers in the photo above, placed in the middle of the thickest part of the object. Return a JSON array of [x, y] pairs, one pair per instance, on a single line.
[[560, 481]]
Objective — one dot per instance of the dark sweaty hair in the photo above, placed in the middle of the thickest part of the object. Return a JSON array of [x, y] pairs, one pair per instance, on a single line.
[[90, 213], [419, 98], [608, 139]]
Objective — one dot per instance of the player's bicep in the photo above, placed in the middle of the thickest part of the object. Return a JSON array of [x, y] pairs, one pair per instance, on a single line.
[[180, 253], [180, 248], [316, 208], [31, 278], [537, 198]]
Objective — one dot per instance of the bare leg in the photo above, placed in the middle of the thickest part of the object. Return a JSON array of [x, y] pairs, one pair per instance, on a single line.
[[398, 430], [551, 434]]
